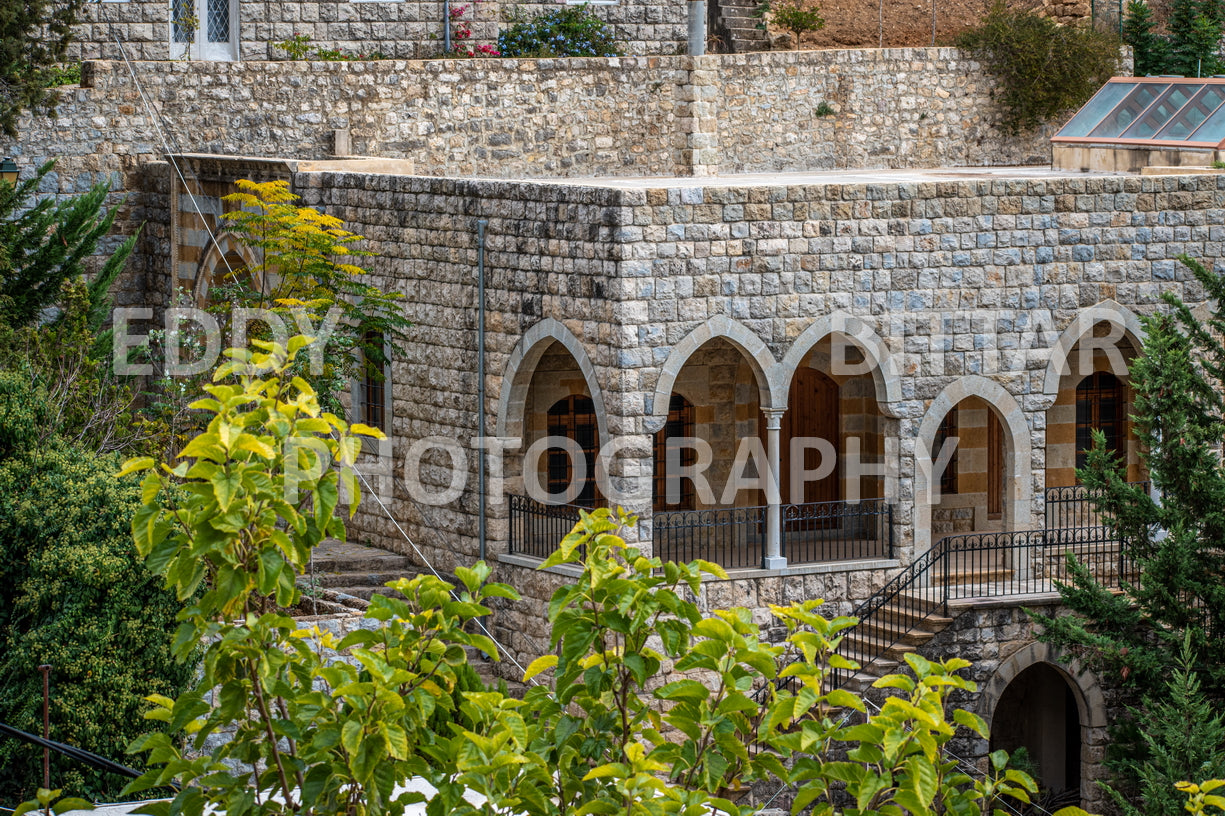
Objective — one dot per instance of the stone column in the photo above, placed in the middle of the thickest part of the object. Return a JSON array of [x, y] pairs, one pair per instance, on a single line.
[[774, 529]]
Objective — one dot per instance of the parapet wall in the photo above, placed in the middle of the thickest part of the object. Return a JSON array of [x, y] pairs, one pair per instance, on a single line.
[[636, 116]]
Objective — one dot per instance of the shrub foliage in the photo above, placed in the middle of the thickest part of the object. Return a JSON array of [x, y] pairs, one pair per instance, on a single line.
[[73, 594], [1042, 68], [567, 32]]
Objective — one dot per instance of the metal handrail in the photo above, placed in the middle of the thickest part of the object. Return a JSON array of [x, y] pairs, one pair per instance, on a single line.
[[536, 528]]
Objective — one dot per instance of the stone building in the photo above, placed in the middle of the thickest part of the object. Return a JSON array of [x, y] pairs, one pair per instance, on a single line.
[[745, 273], [244, 30]]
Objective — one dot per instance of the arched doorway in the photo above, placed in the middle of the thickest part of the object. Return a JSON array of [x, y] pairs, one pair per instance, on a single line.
[[972, 476], [1037, 721]]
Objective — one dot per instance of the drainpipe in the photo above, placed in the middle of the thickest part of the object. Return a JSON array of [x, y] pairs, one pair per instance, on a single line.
[[697, 28], [480, 377], [446, 28]]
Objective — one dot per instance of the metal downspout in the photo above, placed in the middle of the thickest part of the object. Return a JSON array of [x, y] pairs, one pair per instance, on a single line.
[[480, 379]]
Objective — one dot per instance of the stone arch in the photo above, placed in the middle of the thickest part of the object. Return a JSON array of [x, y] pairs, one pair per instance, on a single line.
[[220, 258], [754, 349], [517, 377], [1107, 311], [1018, 451], [883, 365], [1086, 690]]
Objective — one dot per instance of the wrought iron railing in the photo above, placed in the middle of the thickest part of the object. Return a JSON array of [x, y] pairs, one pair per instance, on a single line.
[[977, 565], [1075, 505], [536, 528], [837, 531], [731, 537]]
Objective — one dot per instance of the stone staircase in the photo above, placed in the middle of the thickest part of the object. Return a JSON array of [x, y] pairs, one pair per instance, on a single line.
[[900, 627], [736, 20], [356, 571], [881, 641]]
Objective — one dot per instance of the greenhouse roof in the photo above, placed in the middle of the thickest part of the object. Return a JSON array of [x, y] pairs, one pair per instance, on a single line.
[[1151, 111]]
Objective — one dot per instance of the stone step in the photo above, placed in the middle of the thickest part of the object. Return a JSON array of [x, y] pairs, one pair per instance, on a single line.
[[359, 579], [969, 578], [364, 592], [731, 13], [887, 632], [377, 561]]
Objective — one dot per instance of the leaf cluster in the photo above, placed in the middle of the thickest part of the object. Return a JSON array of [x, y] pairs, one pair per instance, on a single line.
[[1190, 44], [74, 595], [1042, 69]]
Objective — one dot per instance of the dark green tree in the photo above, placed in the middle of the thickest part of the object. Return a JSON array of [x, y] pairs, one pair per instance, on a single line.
[[1182, 737], [1195, 38], [34, 37], [73, 594], [47, 243], [1150, 51], [1176, 546]]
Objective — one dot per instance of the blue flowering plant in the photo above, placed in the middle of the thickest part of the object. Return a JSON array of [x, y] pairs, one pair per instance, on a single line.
[[572, 31]]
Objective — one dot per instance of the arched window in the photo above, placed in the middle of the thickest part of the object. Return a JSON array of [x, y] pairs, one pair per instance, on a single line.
[[1099, 406], [372, 391], [946, 431], [679, 424], [574, 418]]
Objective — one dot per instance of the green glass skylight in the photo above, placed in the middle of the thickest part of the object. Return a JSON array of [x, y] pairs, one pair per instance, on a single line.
[[1175, 111]]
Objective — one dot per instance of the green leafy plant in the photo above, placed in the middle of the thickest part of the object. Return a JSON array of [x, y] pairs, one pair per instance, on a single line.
[[1201, 797], [34, 39], [306, 274], [297, 47], [49, 801], [74, 595], [239, 517], [824, 109], [1150, 51], [572, 31], [796, 16], [1042, 68], [1181, 735]]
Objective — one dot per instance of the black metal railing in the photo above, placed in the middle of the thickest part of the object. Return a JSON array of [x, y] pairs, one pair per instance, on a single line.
[[977, 565], [1075, 505], [731, 537], [837, 531], [537, 528], [817, 532]]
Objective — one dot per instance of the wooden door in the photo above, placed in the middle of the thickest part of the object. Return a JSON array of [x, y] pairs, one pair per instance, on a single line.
[[811, 412]]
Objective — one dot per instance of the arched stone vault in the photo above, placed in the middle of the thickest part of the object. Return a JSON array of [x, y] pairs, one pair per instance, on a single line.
[[750, 345], [517, 376], [1087, 691], [1107, 311], [1018, 456], [881, 364]]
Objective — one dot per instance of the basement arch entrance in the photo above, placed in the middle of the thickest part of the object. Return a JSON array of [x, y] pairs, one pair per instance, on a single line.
[[1039, 712]]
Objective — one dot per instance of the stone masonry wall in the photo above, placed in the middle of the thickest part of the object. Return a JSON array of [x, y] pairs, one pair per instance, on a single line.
[[400, 29], [1004, 266], [539, 118]]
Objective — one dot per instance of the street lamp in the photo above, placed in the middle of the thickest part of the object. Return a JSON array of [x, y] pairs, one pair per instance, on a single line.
[[8, 170]]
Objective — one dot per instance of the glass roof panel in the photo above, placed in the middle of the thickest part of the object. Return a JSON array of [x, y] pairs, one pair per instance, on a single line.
[[1096, 108], [1213, 129], [1193, 114], [1161, 111], [1127, 111]]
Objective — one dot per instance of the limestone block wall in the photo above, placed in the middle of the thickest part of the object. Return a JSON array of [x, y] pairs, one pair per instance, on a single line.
[[911, 107], [535, 118], [399, 29], [1004, 266]]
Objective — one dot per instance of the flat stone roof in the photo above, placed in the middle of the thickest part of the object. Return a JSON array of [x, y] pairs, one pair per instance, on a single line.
[[817, 177]]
